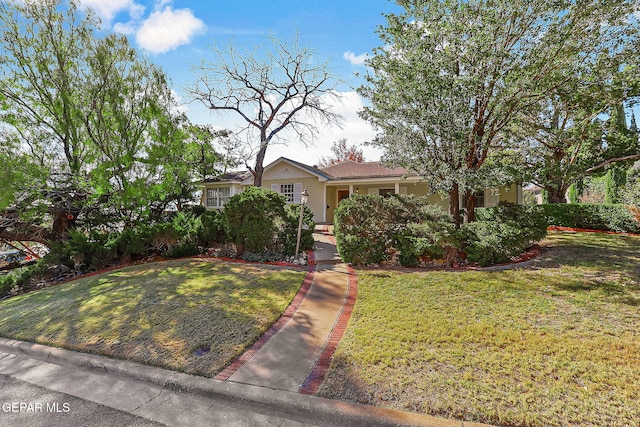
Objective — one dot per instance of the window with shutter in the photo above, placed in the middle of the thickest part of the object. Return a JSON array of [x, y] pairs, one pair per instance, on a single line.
[[287, 190]]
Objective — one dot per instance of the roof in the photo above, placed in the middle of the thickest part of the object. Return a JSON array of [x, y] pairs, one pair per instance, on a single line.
[[353, 170], [237, 176], [344, 170], [311, 169]]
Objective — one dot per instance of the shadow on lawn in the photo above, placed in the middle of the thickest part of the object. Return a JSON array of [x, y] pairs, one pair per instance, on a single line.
[[586, 262], [157, 315]]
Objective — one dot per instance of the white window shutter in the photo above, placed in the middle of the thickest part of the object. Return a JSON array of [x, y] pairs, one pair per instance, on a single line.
[[373, 191], [403, 190], [491, 198], [275, 187], [297, 189]]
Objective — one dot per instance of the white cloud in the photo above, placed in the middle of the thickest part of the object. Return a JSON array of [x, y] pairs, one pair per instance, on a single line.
[[108, 9], [355, 59], [168, 29], [127, 28]]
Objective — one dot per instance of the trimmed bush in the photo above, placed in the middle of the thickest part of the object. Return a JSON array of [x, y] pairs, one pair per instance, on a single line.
[[597, 217], [490, 242], [531, 219], [362, 228], [503, 232], [366, 225], [253, 219], [429, 239]]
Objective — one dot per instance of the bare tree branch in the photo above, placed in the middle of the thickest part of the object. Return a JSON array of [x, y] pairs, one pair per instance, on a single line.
[[273, 91]]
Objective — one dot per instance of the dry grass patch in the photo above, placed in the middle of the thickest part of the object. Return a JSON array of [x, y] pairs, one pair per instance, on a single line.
[[158, 314], [555, 344]]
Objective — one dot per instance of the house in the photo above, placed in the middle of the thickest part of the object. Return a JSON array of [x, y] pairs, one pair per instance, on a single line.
[[328, 186]]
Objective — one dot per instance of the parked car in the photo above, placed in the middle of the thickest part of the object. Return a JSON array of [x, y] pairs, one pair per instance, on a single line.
[[12, 257]]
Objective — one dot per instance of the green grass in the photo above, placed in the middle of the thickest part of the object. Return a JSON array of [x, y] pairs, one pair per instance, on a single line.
[[553, 344], [159, 313]]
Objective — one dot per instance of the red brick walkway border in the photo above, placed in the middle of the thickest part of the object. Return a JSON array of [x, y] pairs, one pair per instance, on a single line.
[[286, 316], [315, 378]]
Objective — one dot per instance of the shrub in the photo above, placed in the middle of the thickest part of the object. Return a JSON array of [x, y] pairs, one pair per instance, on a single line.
[[430, 238], [531, 219], [362, 228], [177, 237], [597, 217], [288, 235], [85, 252], [183, 250], [502, 232], [265, 256], [491, 242], [19, 279], [212, 230], [253, 218], [366, 225]]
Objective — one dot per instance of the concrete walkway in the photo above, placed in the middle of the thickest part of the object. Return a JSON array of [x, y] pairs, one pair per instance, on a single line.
[[288, 358]]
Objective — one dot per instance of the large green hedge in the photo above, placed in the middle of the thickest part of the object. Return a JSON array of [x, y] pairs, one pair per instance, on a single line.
[[367, 226], [596, 217]]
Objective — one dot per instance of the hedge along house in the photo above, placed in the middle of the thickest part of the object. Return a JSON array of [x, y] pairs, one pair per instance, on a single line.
[[328, 186]]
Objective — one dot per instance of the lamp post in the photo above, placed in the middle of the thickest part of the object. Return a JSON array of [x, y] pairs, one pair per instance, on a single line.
[[304, 196]]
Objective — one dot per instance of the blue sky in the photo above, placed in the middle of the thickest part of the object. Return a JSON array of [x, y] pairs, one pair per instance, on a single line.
[[176, 34]]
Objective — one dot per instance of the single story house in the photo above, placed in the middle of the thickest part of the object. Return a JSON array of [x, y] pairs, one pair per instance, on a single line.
[[329, 185]]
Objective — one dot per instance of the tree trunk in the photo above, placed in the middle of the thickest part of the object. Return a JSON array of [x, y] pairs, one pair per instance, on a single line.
[[61, 225], [258, 169], [556, 195], [470, 205], [454, 204]]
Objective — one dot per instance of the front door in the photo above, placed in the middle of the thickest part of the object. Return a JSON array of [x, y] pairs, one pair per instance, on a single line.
[[342, 194]]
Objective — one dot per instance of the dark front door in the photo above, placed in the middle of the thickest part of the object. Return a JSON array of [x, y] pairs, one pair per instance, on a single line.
[[342, 194]]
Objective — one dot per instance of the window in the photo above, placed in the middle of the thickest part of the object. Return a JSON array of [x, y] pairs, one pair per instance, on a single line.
[[479, 199], [386, 192], [288, 192], [291, 192], [217, 197]]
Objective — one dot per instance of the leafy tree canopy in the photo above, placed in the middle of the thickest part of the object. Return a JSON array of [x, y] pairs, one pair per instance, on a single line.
[[90, 132]]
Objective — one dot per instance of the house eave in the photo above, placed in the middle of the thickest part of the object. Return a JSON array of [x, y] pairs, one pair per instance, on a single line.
[[373, 180]]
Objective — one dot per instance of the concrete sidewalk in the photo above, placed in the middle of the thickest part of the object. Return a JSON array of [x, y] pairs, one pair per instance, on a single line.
[[290, 355], [177, 399]]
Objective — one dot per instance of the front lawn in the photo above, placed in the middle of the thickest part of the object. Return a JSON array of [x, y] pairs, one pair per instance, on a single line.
[[553, 344], [158, 314]]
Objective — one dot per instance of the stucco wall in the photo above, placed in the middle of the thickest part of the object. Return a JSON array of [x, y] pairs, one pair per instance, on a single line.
[[314, 188]]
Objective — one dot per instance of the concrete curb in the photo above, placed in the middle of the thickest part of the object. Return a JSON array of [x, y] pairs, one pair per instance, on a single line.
[[296, 406]]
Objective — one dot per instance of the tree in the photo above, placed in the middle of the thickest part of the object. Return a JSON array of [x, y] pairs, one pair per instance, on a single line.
[[570, 142], [281, 90], [453, 77], [342, 153], [88, 127]]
